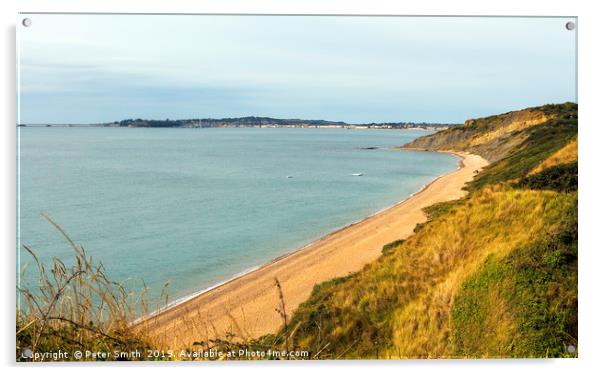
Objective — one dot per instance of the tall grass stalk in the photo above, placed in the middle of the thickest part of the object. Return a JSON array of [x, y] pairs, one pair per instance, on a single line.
[[76, 307]]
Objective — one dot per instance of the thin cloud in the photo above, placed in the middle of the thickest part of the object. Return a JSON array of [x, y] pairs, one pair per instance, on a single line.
[[341, 68]]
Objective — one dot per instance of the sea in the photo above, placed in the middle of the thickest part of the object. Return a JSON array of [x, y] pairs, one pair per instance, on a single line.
[[182, 210]]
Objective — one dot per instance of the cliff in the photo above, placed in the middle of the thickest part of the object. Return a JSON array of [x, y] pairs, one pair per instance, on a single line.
[[494, 137]]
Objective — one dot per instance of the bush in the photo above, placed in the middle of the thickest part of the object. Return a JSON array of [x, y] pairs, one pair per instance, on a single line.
[[391, 246], [561, 178]]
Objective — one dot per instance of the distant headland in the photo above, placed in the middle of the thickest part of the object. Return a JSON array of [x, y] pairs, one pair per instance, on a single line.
[[255, 122]]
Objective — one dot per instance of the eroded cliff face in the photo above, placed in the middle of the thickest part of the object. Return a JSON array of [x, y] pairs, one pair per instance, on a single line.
[[491, 137], [515, 121]]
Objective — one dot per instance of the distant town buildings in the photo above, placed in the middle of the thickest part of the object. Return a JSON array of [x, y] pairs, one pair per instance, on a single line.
[[267, 122]]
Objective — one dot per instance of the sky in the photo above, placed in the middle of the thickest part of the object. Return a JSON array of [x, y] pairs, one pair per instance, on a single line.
[[102, 68]]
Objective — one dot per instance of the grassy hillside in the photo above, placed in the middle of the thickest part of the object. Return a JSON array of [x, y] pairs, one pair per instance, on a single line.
[[491, 275]]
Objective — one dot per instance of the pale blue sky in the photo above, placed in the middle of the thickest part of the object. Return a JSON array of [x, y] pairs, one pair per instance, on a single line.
[[98, 68]]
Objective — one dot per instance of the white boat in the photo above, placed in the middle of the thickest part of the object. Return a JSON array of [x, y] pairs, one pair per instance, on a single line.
[[357, 174]]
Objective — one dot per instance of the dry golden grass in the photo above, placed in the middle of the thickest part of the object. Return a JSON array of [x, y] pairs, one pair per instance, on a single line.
[[497, 222], [77, 307], [399, 306]]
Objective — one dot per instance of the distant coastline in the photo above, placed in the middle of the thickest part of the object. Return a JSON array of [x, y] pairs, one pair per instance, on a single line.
[[254, 122]]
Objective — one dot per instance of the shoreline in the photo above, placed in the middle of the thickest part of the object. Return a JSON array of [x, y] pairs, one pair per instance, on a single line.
[[175, 321], [184, 299]]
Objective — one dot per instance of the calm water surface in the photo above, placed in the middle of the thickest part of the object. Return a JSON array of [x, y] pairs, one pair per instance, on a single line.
[[197, 206]]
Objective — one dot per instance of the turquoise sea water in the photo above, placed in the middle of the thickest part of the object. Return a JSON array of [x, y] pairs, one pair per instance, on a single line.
[[197, 206]]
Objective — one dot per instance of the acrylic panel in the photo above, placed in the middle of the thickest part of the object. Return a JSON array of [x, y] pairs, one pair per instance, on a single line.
[[241, 187]]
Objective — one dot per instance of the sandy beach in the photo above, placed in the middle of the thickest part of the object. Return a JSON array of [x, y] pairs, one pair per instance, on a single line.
[[246, 305]]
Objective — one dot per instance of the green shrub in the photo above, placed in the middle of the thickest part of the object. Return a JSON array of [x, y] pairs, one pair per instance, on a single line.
[[562, 178], [390, 246]]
